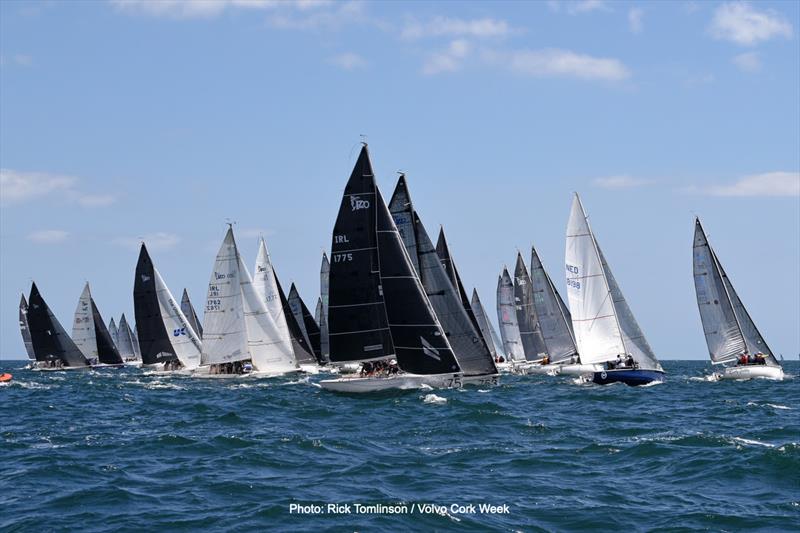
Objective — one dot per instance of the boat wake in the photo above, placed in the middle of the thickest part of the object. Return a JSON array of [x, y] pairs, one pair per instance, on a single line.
[[434, 399]]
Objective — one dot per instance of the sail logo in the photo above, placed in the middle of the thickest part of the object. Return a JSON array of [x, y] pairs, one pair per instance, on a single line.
[[177, 332], [357, 203], [429, 350], [145, 278]]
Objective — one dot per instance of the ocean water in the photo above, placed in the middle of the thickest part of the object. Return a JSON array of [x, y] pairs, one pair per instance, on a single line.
[[125, 450]]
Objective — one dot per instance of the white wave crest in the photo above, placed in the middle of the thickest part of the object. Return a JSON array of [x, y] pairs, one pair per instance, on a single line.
[[432, 398]]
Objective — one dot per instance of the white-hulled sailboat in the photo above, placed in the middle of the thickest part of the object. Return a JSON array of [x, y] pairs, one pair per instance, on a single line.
[[507, 319], [239, 334], [378, 313], [90, 334], [731, 335], [605, 330], [165, 337]]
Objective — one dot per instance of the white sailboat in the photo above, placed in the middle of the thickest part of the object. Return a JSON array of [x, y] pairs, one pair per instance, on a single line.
[[605, 330], [90, 334], [239, 331], [731, 335], [507, 319]]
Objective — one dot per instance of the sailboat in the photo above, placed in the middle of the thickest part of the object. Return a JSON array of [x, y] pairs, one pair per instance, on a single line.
[[731, 335], [324, 276], [188, 309], [53, 348], [166, 339], [90, 334], [268, 288], [113, 330], [530, 333], [125, 343], [466, 340], [507, 319], [239, 334], [605, 328], [25, 330], [378, 312], [490, 335], [308, 326], [555, 322]]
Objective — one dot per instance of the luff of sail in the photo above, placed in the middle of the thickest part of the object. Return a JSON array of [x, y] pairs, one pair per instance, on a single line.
[[507, 318], [188, 310], [107, 352], [324, 277], [727, 325], [303, 352], [357, 324], [24, 329], [50, 342], [492, 340], [529, 330], [420, 344], [555, 320]]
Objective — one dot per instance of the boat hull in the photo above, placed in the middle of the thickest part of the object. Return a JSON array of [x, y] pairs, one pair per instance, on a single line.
[[632, 377], [481, 381], [578, 370], [396, 382], [751, 372]]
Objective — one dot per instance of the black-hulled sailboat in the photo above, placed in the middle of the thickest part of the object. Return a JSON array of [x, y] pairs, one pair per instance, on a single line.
[[25, 330], [190, 313], [53, 348], [731, 335], [166, 338], [605, 330], [378, 313], [465, 337], [90, 334]]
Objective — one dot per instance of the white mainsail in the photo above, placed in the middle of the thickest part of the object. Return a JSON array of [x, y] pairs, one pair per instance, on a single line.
[[266, 287], [603, 323], [83, 331], [224, 331], [125, 339], [183, 338]]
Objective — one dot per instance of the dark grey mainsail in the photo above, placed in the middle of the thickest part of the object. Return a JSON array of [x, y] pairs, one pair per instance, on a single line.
[[303, 352], [421, 345], [113, 330], [324, 277], [188, 310], [554, 317], [24, 329], [529, 330], [107, 352], [507, 318], [125, 342], [307, 323], [50, 342], [491, 337], [728, 328], [473, 355], [358, 328], [154, 342]]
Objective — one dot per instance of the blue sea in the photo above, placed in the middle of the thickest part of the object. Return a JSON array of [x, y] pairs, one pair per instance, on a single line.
[[127, 450]]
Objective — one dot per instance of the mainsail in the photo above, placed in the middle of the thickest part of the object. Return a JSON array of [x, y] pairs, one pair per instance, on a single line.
[[50, 342], [324, 284], [303, 351], [90, 334], [465, 339], [507, 318], [125, 342], [603, 323], [728, 328], [188, 310], [136, 349], [308, 327], [163, 331], [24, 329], [357, 318], [555, 320], [113, 330], [529, 330], [487, 329]]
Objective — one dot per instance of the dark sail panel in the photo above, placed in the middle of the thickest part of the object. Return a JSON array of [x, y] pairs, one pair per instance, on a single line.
[[307, 322], [107, 352], [532, 340], [154, 342], [50, 342], [403, 215], [188, 310], [419, 342], [554, 318], [302, 351], [357, 324], [23, 327]]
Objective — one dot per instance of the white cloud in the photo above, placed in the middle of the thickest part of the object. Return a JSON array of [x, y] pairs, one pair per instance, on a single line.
[[348, 61], [552, 62], [155, 241], [635, 20], [250, 233], [187, 8], [454, 27], [587, 6], [449, 60], [741, 23], [339, 14], [19, 187], [748, 61], [767, 184], [699, 80], [48, 236], [621, 182]]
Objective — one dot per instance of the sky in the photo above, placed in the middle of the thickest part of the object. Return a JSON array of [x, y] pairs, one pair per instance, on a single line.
[[127, 120]]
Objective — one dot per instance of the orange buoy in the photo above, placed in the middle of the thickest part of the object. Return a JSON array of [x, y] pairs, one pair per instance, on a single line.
[[5, 377]]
